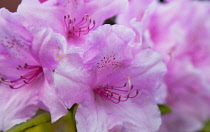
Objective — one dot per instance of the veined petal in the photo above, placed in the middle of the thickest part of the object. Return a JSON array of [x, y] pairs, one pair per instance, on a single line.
[[41, 15], [46, 47], [15, 39], [90, 118], [71, 80], [107, 41], [140, 114], [17, 106], [50, 102], [147, 70]]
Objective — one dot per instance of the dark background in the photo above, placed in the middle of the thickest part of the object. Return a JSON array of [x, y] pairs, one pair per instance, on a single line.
[[10, 4]]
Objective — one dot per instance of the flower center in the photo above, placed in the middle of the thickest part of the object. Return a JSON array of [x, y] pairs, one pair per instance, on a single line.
[[76, 28], [33, 72], [108, 63], [116, 94]]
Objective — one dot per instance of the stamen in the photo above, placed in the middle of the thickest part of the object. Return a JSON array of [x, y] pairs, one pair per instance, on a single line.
[[28, 78], [76, 29], [116, 94]]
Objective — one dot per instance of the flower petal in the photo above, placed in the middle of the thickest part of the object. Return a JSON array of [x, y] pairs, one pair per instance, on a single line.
[[46, 46], [139, 114], [15, 39], [49, 101], [41, 15], [71, 80], [17, 105]]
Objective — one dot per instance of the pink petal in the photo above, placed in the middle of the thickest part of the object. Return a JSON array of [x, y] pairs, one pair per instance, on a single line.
[[97, 115], [46, 47], [17, 105], [71, 80]]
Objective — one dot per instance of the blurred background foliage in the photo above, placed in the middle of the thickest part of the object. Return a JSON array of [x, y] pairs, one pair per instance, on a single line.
[[164, 109], [206, 127]]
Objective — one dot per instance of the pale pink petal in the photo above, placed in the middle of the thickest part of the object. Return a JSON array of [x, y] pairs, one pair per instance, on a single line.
[[46, 47], [71, 80], [50, 102], [42, 15], [136, 9], [187, 97], [17, 106], [15, 39], [141, 114]]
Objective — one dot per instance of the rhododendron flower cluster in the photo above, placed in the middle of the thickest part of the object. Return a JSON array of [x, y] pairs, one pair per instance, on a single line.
[[58, 53]]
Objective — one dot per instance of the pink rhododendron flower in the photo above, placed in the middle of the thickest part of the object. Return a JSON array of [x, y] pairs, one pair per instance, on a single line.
[[134, 15], [27, 61], [185, 47], [159, 32], [136, 9], [118, 81], [171, 35], [187, 97], [73, 19]]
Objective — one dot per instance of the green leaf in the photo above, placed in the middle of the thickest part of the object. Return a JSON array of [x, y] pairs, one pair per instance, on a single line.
[[66, 123], [41, 122], [206, 127], [39, 118], [44, 127], [164, 109]]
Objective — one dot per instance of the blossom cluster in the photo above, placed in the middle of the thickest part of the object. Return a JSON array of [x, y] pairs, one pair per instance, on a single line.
[[57, 53]]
